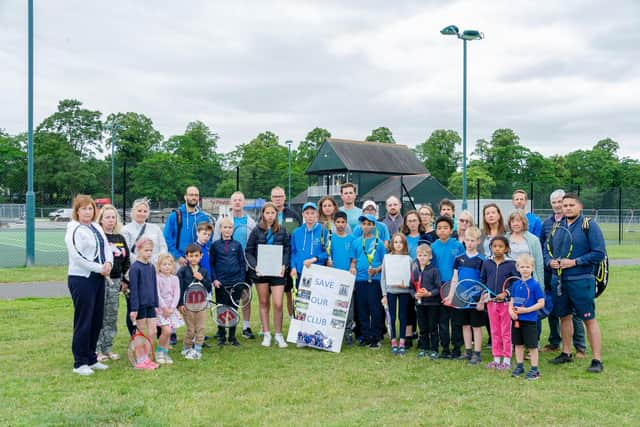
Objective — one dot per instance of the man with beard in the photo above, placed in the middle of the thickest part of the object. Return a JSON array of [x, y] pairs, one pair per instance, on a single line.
[[393, 218]]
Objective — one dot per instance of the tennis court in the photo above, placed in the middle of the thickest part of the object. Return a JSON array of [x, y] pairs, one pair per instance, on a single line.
[[50, 248]]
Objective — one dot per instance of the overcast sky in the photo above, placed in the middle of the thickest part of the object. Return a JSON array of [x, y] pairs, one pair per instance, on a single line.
[[561, 74]]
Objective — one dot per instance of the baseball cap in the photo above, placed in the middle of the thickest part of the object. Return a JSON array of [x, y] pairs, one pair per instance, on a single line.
[[367, 217], [370, 204], [309, 205]]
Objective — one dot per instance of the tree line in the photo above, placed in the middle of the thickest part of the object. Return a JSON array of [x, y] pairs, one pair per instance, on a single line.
[[72, 154]]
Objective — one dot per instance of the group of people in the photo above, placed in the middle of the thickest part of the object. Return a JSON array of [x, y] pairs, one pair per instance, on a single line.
[[155, 267]]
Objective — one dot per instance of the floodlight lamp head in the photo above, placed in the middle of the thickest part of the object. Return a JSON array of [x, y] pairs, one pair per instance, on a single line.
[[451, 30], [472, 35]]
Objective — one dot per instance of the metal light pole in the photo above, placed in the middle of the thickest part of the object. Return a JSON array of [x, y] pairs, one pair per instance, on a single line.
[[465, 36], [289, 142], [114, 130], [30, 196]]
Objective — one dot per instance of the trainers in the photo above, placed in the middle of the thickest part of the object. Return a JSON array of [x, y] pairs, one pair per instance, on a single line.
[[422, 354], [102, 357], [445, 355], [197, 355], [168, 359], [185, 351], [266, 340], [248, 334], [503, 366], [402, 351], [221, 341], [533, 375], [492, 365], [99, 366], [112, 356], [561, 358], [595, 367], [408, 343], [234, 342], [375, 345], [581, 354], [434, 355], [160, 357], [348, 339], [190, 354], [146, 364], [83, 370], [549, 348], [475, 360], [280, 341], [206, 345], [394, 350], [465, 356], [363, 342], [518, 371]]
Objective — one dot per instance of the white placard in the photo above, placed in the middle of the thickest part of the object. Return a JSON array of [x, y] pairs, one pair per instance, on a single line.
[[269, 260], [397, 270], [322, 307]]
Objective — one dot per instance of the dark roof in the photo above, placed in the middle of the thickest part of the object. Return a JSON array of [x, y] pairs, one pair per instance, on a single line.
[[364, 156], [391, 187], [300, 198]]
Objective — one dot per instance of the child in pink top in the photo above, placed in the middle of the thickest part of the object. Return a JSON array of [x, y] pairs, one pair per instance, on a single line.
[[167, 314]]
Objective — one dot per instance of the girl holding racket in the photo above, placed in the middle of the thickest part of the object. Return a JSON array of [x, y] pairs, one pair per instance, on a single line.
[[168, 317], [110, 222], [143, 296], [269, 232], [90, 263], [496, 271]]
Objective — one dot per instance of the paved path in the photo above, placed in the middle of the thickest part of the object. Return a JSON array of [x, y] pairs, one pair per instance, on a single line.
[[59, 289]]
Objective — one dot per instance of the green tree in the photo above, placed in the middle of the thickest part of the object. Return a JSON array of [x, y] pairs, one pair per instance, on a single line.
[[475, 171], [308, 148], [81, 128], [381, 134], [13, 166], [439, 155]]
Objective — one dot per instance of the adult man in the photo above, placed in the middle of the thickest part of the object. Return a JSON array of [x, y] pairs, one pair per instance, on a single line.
[[348, 196], [519, 201], [554, 322], [393, 218], [181, 226], [576, 292], [242, 226], [290, 220]]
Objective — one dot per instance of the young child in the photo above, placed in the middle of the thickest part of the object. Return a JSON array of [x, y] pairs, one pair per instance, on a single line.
[[523, 309], [445, 251], [143, 295], [469, 266], [203, 234], [397, 295], [228, 267], [110, 222], [495, 271], [168, 316], [413, 230], [425, 281], [306, 246], [194, 337], [367, 254]]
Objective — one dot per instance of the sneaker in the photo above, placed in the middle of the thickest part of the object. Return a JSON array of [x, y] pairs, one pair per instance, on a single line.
[[363, 342], [394, 350], [280, 341], [266, 340], [185, 351], [402, 351], [112, 356], [595, 367], [99, 366], [465, 356], [174, 339], [102, 357], [581, 354], [146, 364], [234, 342], [492, 365], [518, 371], [221, 341], [434, 355], [422, 354], [168, 359], [503, 366], [549, 348], [561, 358], [533, 375], [206, 345], [190, 354], [248, 334], [375, 345], [475, 360], [83, 370], [408, 343], [160, 357], [197, 355], [348, 339], [445, 355]]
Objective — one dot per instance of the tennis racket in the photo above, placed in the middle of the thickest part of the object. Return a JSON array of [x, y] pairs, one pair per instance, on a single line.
[[507, 286], [468, 293], [445, 291], [390, 329], [240, 294], [223, 315], [559, 245], [86, 243], [520, 293], [139, 348], [195, 297]]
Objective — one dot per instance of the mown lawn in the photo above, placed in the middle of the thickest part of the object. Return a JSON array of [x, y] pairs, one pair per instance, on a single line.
[[252, 385]]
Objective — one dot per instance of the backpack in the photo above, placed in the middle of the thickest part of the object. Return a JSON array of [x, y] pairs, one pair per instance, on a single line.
[[600, 271]]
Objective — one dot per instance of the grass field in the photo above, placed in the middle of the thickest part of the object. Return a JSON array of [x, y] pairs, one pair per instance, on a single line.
[[252, 385]]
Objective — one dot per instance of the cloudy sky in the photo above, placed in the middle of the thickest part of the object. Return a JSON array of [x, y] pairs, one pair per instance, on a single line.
[[562, 74]]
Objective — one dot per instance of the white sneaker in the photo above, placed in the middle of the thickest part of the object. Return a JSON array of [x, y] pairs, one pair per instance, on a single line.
[[99, 366], [280, 340], [191, 354], [266, 339], [197, 355], [167, 359], [83, 370], [160, 359], [185, 351]]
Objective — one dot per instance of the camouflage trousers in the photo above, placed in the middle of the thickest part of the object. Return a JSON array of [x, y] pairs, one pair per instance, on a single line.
[[110, 319]]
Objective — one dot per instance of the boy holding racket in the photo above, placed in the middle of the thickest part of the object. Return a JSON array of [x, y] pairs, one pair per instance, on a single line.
[[527, 297], [195, 320], [227, 268]]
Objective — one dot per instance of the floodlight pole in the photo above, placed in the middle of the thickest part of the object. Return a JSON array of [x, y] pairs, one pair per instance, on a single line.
[[289, 142], [30, 196]]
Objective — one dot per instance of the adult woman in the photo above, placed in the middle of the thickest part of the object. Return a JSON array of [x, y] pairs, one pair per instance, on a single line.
[[521, 241], [465, 220], [86, 281], [139, 227], [269, 232], [492, 226], [426, 219]]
